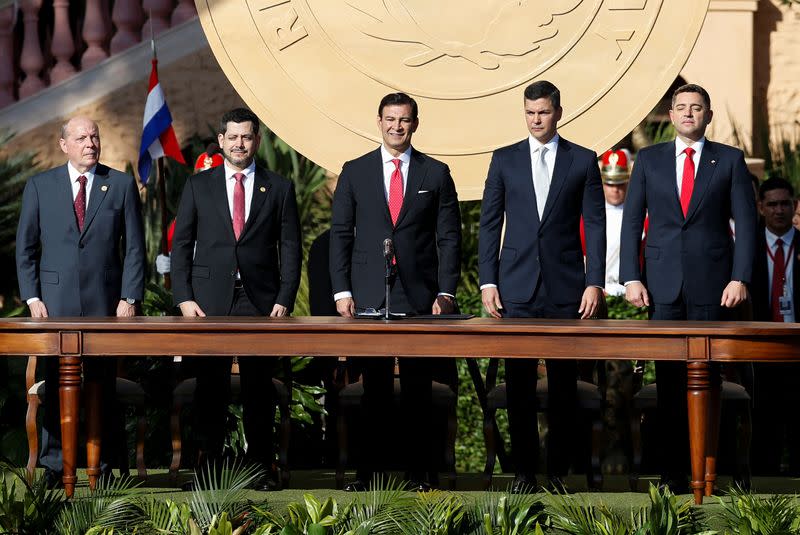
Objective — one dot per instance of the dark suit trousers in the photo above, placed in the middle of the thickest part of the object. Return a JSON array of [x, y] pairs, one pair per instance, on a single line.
[[671, 378], [562, 381], [257, 396], [376, 427], [104, 371]]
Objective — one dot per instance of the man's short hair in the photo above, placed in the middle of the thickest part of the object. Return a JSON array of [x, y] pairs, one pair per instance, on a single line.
[[544, 89], [774, 183], [238, 115], [692, 88], [398, 99]]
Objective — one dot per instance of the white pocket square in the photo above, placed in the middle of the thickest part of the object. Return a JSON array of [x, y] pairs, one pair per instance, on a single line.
[[424, 191]]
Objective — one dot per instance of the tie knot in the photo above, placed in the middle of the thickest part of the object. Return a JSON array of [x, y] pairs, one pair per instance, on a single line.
[[238, 176], [779, 243], [689, 151], [397, 163], [82, 180]]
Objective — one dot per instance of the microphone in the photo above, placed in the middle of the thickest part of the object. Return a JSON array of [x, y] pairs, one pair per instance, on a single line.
[[388, 249]]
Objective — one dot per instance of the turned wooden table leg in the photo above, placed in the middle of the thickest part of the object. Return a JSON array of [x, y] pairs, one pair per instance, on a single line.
[[94, 409], [712, 436], [698, 393], [69, 394]]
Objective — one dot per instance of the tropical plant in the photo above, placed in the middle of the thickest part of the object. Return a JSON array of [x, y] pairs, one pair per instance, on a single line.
[[432, 513], [370, 513], [746, 514], [218, 491], [29, 509], [507, 514], [109, 508]]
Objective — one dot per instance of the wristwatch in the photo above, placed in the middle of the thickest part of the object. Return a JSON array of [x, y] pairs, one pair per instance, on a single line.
[[130, 301]]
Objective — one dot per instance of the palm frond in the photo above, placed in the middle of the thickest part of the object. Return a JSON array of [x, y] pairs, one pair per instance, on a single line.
[[112, 506], [579, 518], [30, 508], [433, 513], [504, 513], [746, 513], [222, 489], [371, 511]]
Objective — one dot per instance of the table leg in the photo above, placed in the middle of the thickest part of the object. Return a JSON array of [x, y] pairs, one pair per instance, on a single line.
[[712, 437], [69, 393], [698, 393], [94, 409]]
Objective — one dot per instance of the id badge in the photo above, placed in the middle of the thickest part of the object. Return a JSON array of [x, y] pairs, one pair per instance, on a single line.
[[785, 302]]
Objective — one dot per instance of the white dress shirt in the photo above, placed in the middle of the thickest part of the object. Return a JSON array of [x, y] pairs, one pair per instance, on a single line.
[[613, 231], [789, 286], [230, 183], [680, 158]]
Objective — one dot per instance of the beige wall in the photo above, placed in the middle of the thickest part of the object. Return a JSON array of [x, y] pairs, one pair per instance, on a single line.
[[197, 93]]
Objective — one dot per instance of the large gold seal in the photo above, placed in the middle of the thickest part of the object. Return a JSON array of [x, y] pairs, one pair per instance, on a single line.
[[314, 70]]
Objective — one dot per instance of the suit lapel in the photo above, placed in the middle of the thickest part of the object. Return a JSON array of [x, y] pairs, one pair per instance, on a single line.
[[219, 196], [524, 169], [100, 187], [417, 169], [702, 177], [261, 187], [666, 161], [63, 187], [375, 164], [560, 171], [796, 274]]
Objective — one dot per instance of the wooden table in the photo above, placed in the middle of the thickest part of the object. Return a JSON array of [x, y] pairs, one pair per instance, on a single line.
[[697, 343]]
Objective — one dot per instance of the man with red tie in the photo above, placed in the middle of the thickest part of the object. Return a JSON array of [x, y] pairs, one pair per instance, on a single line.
[[236, 251], [775, 290], [689, 189], [400, 193]]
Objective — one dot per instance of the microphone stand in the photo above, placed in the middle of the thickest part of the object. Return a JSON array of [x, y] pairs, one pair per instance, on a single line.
[[388, 283]]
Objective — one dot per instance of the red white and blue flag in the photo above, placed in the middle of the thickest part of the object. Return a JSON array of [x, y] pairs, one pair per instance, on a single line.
[[158, 136]]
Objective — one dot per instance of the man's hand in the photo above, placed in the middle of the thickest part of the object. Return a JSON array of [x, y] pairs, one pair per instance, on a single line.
[[735, 293], [346, 307], [590, 302], [444, 304], [124, 310], [38, 309], [278, 311], [491, 302], [636, 294], [190, 309]]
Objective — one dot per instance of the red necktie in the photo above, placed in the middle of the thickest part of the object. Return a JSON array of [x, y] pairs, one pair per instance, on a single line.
[[687, 182], [238, 205], [778, 280], [395, 191], [80, 202]]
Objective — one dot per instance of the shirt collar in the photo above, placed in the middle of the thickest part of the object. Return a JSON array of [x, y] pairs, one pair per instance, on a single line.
[[248, 172], [772, 238], [404, 157], [551, 145], [74, 173], [680, 145]]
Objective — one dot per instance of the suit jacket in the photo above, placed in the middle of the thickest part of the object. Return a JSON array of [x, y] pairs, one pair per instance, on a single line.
[[760, 289], [697, 252], [206, 254], [81, 273], [427, 237], [549, 249]]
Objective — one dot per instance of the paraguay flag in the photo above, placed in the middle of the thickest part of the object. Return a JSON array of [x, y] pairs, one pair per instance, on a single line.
[[158, 136]]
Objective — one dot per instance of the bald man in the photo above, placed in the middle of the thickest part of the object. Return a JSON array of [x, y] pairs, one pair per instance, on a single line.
[[80, 252]]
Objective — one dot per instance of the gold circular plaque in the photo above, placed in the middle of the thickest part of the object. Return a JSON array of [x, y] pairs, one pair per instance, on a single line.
[[315, 70]]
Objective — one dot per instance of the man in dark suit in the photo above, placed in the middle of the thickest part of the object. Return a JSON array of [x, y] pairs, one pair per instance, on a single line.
[[236, 251], [400, 193], [80, 252], [689, 188], [774, 290], [540, 187]]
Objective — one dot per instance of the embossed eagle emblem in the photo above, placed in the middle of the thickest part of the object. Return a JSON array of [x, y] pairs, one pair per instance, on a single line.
[[513, 28]]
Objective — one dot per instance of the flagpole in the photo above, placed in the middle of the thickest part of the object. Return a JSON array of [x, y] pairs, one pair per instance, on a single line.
[[160, 182]]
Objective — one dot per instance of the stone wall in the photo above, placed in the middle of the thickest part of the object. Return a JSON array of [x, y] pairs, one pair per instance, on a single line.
[[777, 69], [197, 93]]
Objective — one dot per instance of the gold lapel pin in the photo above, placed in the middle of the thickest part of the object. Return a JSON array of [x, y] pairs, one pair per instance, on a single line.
[[103, 188], [262, 189]]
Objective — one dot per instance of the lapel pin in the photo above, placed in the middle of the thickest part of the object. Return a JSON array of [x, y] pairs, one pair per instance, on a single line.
[[713, 161], [103, 188], [262, 189]]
